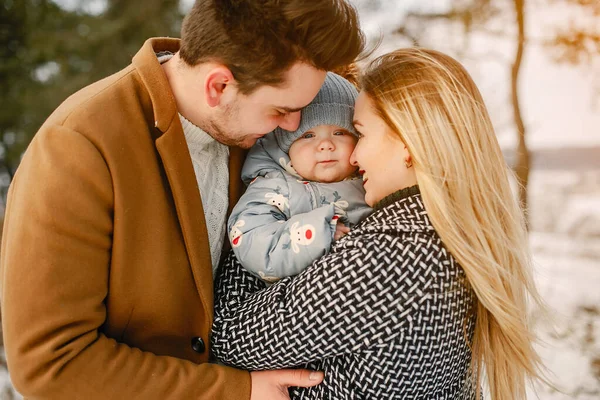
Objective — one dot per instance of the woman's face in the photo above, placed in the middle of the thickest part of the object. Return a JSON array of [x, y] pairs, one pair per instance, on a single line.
[[379, 154]]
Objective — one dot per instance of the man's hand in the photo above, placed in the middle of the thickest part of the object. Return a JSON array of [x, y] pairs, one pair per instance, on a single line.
[[273, 385]]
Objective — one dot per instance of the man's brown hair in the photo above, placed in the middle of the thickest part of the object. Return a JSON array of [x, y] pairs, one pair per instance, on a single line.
[[259, 40]]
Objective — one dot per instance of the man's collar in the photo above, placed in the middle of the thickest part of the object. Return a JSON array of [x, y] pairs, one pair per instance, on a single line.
[[155, 79]]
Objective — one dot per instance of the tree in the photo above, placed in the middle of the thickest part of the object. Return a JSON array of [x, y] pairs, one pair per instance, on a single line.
[[12, 37], [26, 49], [576, 44], [48, 53], [523, 161]]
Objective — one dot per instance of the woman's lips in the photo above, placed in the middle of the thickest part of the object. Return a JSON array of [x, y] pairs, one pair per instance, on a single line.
[[362, 173]]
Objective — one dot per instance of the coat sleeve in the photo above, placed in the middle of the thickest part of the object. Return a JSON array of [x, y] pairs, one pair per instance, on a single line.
[[54, 275], [269, 242], [349, 300]]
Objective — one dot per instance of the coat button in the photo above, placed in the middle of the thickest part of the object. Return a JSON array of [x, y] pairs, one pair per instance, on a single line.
[[198, 345]]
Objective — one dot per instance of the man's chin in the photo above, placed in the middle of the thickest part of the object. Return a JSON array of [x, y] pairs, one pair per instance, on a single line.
[[247, 144], [249, 141], [244, 142]]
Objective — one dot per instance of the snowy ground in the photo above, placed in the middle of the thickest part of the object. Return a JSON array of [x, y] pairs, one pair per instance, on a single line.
[[565, 242], [571, 340], [566, 248]]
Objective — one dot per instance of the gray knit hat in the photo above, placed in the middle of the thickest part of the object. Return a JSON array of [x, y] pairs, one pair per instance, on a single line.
[[334, 105]]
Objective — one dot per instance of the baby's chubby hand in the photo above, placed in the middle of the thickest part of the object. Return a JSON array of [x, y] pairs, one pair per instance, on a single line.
[[340, 231]]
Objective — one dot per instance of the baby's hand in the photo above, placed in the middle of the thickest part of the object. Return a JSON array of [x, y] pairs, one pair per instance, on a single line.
[[340, 231]]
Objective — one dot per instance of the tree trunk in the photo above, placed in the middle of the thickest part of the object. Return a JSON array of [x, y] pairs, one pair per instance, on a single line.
[[522, 154]]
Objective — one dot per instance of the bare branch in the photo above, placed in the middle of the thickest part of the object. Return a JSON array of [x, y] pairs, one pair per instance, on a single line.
[[576, 46]]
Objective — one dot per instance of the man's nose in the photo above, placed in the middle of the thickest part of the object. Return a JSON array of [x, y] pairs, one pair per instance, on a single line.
[[291, 121]]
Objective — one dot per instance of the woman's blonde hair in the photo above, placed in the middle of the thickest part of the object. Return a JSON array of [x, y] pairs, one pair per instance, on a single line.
[[432, 103]]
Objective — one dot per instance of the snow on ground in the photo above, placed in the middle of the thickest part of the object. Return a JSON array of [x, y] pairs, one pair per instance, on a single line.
[[566, 248], [570, 334]]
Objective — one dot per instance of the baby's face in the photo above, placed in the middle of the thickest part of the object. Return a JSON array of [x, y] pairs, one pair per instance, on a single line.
[[322, 154]]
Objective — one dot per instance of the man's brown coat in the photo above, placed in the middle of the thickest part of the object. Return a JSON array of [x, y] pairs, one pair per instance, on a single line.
[[105, 265]]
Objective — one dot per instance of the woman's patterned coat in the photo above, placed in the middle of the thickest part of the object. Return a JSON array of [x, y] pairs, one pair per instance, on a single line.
[[387, 314]]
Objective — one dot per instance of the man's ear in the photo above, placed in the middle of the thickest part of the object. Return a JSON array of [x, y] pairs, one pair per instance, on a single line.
[[215, 84]]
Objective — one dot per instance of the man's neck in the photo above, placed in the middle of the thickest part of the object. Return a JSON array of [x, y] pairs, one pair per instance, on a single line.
[[187, 87]]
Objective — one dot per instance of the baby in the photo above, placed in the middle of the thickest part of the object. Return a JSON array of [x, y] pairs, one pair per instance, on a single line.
[[302, 193]]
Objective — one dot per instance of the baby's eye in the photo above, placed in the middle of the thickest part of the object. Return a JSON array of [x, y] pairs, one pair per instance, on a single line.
[[339, 132], [308, 135]]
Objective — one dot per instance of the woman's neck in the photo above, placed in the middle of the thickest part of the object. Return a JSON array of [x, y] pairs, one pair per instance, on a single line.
[[397, 195]]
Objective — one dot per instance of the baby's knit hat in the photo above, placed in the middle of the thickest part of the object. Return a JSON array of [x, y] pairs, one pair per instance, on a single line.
[[334, 105]]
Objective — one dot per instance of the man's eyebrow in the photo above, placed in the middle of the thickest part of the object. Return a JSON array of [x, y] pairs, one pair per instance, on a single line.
[[290, 109], [356, 122]]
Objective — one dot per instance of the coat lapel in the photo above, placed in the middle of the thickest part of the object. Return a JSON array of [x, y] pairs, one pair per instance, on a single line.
[[174, 153], [173, 150], [177, 163]]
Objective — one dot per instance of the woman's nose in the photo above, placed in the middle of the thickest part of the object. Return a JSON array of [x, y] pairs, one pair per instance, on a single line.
[[353, 158]]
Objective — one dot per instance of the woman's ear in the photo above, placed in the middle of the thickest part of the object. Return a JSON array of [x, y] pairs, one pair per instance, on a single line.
[[215, 84], [405, 151], [407, 157]]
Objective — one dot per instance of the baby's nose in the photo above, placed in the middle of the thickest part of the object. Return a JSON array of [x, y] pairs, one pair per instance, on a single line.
[[326, 145]]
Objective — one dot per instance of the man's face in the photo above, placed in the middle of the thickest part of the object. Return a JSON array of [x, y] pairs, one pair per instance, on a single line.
[[240, 120]]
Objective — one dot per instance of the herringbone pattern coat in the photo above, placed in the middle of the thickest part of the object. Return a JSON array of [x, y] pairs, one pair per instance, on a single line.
[[386, 314]]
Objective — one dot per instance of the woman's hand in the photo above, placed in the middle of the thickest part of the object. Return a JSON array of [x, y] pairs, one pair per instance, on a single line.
[[273, 385]]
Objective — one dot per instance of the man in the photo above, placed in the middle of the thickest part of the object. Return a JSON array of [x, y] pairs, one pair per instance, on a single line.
[[115, 218]]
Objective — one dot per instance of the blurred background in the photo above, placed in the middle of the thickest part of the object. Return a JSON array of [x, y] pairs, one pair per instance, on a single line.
[[537, 63]]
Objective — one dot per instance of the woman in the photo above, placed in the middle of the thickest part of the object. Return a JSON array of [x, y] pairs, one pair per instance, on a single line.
[[427, 291]]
